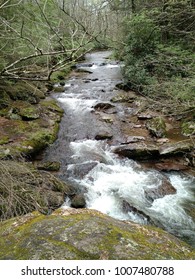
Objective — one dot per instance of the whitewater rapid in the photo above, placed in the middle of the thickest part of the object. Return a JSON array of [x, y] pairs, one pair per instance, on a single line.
[[114, 185]]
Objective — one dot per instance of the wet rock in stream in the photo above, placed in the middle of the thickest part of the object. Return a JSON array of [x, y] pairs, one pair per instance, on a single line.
[[137, 151], [82, 169], [103, 106], [103, 135], [78, 201], [165, 188], [129, 208], [170, 165]]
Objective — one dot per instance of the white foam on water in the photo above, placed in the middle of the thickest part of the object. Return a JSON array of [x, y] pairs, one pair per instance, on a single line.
[[94, 67], [75, 104], [113, 181], [112, 65]]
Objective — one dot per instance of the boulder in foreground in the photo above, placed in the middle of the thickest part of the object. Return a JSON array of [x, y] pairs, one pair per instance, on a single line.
[[83, 234]]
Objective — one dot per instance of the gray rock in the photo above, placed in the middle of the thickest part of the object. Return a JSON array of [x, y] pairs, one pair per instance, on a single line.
[[103, 136], [177, 148], [137, 151], [78, 201], [164, 189], [103, 106], [83, 234]]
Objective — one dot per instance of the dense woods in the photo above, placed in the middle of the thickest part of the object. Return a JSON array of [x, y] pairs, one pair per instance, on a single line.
[[159, 51], [155, 39]]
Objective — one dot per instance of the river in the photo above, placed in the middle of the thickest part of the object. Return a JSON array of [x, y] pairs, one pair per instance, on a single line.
[[107, 180]]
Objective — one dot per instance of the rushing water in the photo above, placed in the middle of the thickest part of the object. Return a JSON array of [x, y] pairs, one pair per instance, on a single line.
[[111, 182]]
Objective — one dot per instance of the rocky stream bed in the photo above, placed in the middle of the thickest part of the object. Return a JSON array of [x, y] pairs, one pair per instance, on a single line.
[[116, 155]]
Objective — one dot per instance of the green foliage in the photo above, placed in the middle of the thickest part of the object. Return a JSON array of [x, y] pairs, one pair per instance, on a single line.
[[158, 55], [177, 23], [142, 35]]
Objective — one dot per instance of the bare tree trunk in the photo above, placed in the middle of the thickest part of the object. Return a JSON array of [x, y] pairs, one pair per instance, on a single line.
[[133, 6], [165, 33]]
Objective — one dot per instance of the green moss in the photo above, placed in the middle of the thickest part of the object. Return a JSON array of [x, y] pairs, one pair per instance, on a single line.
[[34, 128], [19, 90], [4, 112], [4, 140], [29, 113], [157, 127], [188, 128], [86, 234], [38, 141], [4, 100], [60, 75], [51, 105]]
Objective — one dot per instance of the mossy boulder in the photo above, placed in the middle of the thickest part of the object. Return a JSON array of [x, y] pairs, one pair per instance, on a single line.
[[19, 90], [29, 120], [30, 112], [4, 100], [28, 129], [157, 127], [82, 234], [24, 110]]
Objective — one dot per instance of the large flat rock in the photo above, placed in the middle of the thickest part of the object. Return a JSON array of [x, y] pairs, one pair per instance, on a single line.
[[138, 151], [81, 234], [177, 148]]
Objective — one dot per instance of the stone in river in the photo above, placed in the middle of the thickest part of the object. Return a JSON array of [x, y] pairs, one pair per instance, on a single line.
[[103, 106], [165, 188], [78, 201], [137, 151], [103, 136]]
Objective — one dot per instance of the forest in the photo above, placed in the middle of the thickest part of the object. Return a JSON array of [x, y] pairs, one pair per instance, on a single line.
[[155, 39], [97, 121]]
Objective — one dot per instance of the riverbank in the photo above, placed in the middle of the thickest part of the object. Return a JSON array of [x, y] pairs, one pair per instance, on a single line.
[[29, 122], [29, 119], [126, 160], [110, 148]]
